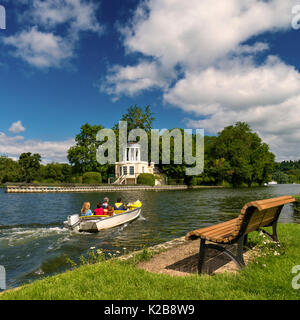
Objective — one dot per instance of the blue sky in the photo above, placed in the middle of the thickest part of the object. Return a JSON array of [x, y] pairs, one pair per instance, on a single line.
[[198, 64]]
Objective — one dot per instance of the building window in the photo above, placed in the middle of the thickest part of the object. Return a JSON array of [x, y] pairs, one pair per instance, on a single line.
[[143, 169], [125, 171], [131, 170], [120, 170]]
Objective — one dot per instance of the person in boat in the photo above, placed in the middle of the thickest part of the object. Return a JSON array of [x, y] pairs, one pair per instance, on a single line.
[[119, 205], [110, 210], [99, 211], [105, 203], [86, 209]]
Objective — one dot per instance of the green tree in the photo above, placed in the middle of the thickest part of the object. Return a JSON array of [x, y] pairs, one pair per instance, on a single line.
[[30, 166], [10, 170], [82, 156], [137, 118], [247, 159], [280, 177]]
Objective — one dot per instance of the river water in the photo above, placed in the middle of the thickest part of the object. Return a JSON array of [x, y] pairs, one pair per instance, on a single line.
[[34, 244]]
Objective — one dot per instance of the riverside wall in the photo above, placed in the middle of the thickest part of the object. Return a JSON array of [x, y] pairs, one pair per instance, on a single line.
[[108, 188]]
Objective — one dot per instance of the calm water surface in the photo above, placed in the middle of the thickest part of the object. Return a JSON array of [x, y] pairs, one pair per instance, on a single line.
[[34, 244]]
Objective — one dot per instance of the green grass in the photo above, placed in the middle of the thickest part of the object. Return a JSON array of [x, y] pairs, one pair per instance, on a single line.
[[266, 277]]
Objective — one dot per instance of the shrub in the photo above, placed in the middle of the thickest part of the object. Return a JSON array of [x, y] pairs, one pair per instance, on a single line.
[[147, 179], [92, 178], [76, 179]]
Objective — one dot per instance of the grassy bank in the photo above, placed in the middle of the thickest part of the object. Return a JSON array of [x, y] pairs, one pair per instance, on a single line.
[[267, 277]]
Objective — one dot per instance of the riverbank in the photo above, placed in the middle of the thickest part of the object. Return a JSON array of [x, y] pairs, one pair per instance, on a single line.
[[268, 277], [102, 188]]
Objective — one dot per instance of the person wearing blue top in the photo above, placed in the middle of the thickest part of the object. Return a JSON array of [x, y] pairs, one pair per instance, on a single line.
[[119, 205], [86, 209]]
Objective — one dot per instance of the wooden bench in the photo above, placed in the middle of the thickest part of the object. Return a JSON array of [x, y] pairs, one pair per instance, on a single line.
[[253, 216]]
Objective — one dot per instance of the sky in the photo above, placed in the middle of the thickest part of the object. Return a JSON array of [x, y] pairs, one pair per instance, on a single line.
[[202, 64]]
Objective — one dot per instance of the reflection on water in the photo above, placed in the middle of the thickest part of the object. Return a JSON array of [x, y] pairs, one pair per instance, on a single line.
[[33, 242]]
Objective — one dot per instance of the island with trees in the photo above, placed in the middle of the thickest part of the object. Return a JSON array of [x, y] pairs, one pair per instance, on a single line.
[[236, 157]]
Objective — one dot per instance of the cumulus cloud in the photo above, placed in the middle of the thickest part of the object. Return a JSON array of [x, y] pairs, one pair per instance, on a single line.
[[16, 127], [188, 36], [209, 65], [42, 45], [198, 32], [235, 85], [40, 49], [49, 150], [79, 14], [133, 79]]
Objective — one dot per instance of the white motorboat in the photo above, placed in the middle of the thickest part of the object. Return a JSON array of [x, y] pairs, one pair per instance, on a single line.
[[97, 223]]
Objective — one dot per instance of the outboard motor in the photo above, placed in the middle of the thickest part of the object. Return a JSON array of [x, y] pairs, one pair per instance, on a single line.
[[73, 221]]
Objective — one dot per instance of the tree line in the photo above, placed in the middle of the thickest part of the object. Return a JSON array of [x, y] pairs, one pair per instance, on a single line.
[[235, 157], [287, 172]]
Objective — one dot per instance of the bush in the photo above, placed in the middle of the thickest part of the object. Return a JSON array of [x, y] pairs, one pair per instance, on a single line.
[[76, 179], [147, 179], [92, 178]]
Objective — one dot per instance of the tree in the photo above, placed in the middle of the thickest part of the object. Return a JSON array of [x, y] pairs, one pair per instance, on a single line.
[[30, 165], [10, 170], [137, 118], [280, 177], [82, 156], [247, 159]]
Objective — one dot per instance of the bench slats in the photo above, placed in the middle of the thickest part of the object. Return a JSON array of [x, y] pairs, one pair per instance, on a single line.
[[265, 211], [214, 228], [268, 203]]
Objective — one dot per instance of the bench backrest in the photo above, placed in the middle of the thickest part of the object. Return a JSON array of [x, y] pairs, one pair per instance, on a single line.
[[261, 213]]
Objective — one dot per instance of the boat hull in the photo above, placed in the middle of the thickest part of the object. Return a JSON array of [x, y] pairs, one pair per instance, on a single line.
[[98, 223]]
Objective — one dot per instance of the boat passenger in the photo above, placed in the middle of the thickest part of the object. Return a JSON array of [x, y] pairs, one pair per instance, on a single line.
[[105, 202], [119, 205], [105, 211], [99, 210], [110, 210], [86, 211]]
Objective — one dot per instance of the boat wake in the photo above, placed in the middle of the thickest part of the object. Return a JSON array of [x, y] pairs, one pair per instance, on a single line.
[[142, 218], [20, 235]]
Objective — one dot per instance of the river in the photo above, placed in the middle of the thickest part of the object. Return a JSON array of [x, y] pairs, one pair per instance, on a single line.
[[34, 244]]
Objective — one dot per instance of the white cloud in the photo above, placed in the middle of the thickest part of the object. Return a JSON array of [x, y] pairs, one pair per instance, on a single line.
[[133, 79], [189, 36], [198, 32], [235, 85], [209, 67], [40, 49], [50, 150], [79, 14], [42, 45], [17, 127], [277, 124]]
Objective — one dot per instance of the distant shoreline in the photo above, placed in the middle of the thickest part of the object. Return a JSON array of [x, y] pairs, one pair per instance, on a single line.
[[108, 188]]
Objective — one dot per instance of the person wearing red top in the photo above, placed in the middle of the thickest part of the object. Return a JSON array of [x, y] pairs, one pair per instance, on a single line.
[[99, 210]]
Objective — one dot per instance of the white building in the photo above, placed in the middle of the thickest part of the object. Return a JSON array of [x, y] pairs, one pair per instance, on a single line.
[[131, 166]]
